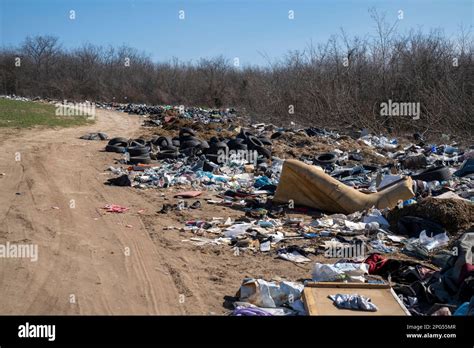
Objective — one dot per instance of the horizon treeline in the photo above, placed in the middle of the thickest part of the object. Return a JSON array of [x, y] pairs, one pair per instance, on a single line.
[[340, 83]]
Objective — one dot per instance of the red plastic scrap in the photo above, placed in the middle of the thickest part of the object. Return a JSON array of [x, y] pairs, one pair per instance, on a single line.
[[115, 208]]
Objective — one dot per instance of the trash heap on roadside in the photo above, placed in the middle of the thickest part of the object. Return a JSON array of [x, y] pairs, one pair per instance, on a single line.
[[186, 159], [369, 210], [163, 114], [419, 288]]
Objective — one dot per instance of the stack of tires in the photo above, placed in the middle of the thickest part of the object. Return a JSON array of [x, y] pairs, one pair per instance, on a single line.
[[190, 144], [117, 145], [260, 144], [167, 147], [187, 144], [138, 149], [245, 141]]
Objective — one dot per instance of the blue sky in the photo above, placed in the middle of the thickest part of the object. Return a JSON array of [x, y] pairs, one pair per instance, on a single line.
[[233, 28]]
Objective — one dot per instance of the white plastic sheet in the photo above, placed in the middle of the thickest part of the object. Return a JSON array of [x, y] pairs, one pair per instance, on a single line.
[[269, 294], [431, 243], [352, 272]]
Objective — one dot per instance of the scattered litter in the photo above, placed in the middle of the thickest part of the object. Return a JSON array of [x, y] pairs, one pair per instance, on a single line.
[[249, 312], [293, 256], [431, 243], [115, 208], [95, 136], [266, 246], [364, 193], [269, 294], [351, 272], [379, 245], [123, 180], [353, 301]]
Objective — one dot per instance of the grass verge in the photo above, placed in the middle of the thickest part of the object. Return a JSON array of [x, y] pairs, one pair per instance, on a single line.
[[25, 114]]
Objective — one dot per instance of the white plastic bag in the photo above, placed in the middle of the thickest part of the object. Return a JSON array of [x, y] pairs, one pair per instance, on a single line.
[[269, 294], [352, 272], [431, 243]]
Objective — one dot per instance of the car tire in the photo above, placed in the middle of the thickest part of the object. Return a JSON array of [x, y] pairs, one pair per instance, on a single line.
[[115, 148], [115, 141], [186, 131], [433, 174], [138, 150], [167, 154], [326, 158], [140, 159]]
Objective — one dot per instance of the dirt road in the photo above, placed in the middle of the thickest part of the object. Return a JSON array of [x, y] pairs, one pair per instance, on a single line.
[[92, 262], [84, 257]]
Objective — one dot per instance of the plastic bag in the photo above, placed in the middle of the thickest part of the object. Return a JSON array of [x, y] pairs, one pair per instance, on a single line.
[[353, 272], [431, 243]]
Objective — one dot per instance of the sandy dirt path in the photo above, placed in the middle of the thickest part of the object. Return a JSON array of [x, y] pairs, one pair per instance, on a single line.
[[89, 262]]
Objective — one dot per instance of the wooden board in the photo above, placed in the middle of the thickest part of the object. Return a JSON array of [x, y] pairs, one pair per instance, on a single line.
[[317, 302]]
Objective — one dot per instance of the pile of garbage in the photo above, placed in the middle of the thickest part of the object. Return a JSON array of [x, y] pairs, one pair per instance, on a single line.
[[376, 210], [188, 159], [156, 115], [422, 289], [161, 114], [15, 97], [391, 211]]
